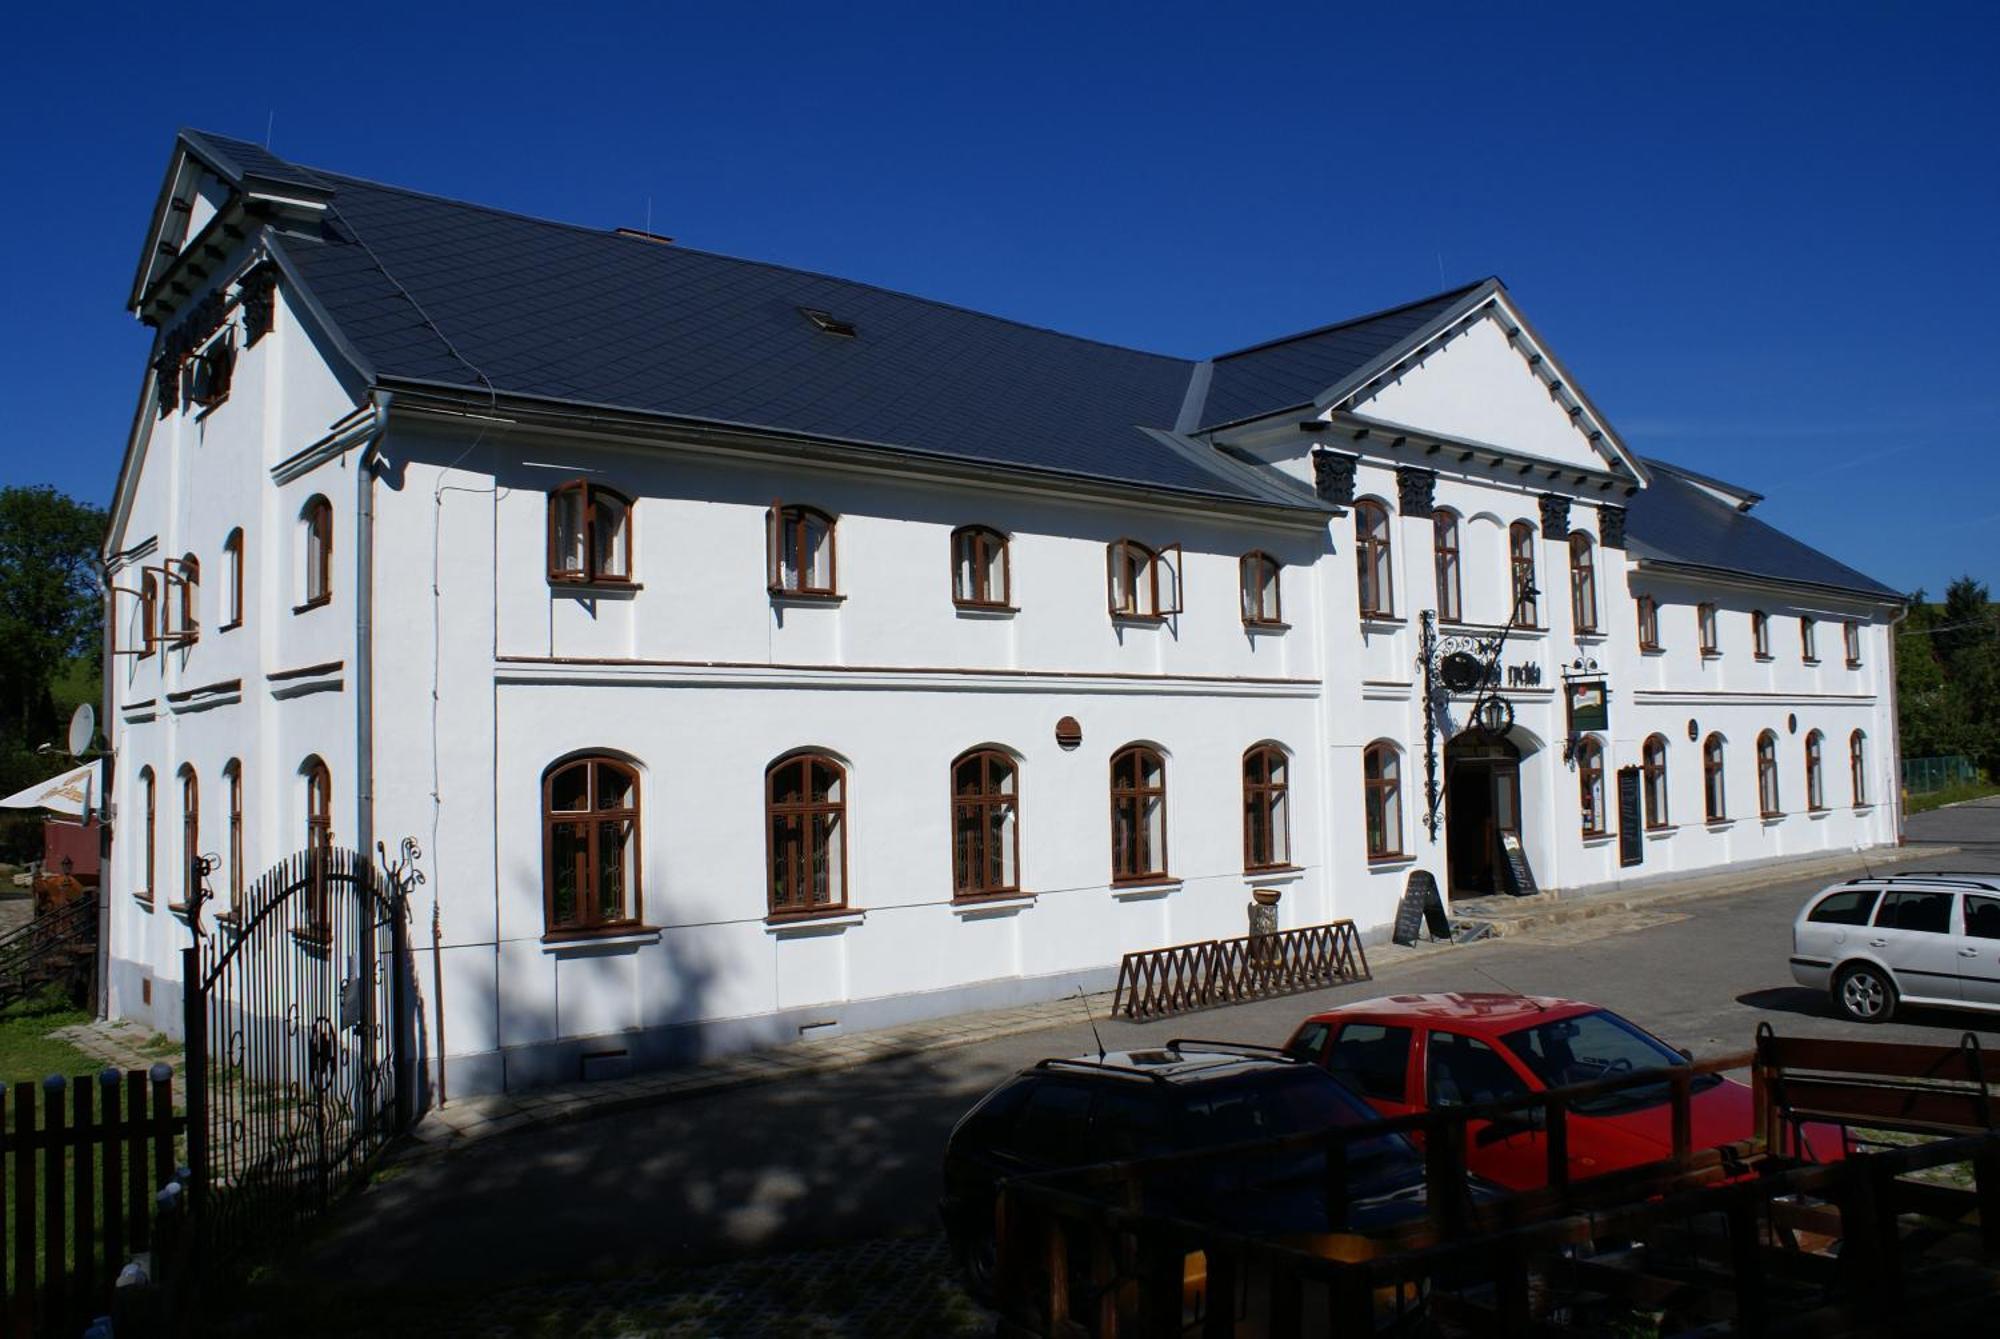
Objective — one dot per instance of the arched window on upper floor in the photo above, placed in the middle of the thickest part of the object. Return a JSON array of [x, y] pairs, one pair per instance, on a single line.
[[232, 581], [1582, 582], [590, 535], [1445, 561], [316, 517], [1522, 585], [980, 568], [801, 554], [1257, 574], [1374, 559]]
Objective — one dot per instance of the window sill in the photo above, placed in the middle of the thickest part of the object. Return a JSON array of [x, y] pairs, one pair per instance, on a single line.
[[1391, 860], [1143, 620], [807, 597], [591, 589], [1711, 655], [991, 904], [1854, 664], [1717, 824], [813, 922], [1652, 650], [612, 936], [1809, 660], [1382, 623], [1864, 808], [143, 899], [1661, 830], [1592, 840], [1770, 820], [311, 605], [1254, 626], [1140, 889], [1276, 874], [971, 609], [179, 909], [1590, 635], [1820, 812]]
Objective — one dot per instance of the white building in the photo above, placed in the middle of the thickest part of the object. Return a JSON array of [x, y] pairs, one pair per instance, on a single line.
[[927, 661]]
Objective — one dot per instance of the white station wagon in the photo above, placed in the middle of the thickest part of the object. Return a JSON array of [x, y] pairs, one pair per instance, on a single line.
[[1909, 938]]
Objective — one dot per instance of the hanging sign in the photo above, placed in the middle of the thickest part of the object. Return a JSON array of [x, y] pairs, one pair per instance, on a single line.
[[1589, 705]]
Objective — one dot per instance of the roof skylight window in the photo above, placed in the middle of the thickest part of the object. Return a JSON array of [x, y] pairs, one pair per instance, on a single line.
[[828, 322]]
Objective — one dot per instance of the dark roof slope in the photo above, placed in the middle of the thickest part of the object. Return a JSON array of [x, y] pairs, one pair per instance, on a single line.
[[434, 290], [1289, 372], [1674, 520]]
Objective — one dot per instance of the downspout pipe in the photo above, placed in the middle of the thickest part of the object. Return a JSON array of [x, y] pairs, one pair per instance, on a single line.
[[1896, 725], [364, 624]]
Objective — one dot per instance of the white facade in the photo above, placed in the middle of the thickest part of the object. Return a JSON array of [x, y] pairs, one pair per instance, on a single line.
[[446, 673]]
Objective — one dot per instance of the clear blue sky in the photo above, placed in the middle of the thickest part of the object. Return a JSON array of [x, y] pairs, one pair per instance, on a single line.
[[1763, 238]]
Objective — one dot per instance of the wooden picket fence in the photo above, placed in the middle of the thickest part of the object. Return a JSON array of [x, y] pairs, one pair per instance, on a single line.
[[80, 1168], [1159, 982]]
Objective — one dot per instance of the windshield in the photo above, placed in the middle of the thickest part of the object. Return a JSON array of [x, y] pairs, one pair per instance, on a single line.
[[1272, 1105], [1597, 1045]]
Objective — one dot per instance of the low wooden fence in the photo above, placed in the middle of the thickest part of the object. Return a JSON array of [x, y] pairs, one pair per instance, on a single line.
[[80, 1168], [1159, 982]]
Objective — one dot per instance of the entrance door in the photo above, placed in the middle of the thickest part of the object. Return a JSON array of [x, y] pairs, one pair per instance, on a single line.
[[1482, 800]]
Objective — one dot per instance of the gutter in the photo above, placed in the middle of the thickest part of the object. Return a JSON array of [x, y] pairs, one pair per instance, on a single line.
[[364, 622]]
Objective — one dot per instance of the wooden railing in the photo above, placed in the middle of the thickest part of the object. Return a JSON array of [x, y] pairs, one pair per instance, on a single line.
[[79, 1173], [1159, 982]]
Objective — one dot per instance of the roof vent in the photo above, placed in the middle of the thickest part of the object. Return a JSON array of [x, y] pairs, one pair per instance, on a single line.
[[644, 236], [828, 322]]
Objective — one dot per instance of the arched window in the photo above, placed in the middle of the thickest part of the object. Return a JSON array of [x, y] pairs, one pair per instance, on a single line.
[[1704, 617], [1815, 785], [1590, 784], [1138, 814], [1444, 555], [1258, 574], [1381, 779], [590, 534], [147, 869], [319, 805], [1857, 766], [1767, 775], [1142, 582], [1649, 623], [1582, 582], [317, 517], [1808, 640], [232, 573], [799, 549], [232, 778], [590, 845], [980, 578], [149, 614], [805, 807], [1372, 559], [1760, 634], [190, 837], [1653, 758], [1267, 822], [1521, 565], [1713, 782], [985, 824]]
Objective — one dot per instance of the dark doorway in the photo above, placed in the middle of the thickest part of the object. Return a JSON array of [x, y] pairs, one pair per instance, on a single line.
[[1482, 800]]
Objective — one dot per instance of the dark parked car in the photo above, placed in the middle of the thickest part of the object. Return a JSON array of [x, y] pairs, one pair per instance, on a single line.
[[1184, 1095]]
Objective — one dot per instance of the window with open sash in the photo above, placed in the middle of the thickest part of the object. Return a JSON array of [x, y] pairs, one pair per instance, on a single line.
[[1582, 582], [1808, 640], [985, 824], [232, 576], [1444, 554], [590, 534], [1267, 824], [147, 870], [1653, 769], [1521, 568], [1850, 633], [1767, 775], [980, 578], [1760, 634], [1373, 559], [1138, 814], [1815, 766], [1649, 623], [1714, 782], [190, 837], [799, 552], [1857, 766], [1258, 574], [1704, 616], [806, 819], [317, 518], [1141, 581], [590, 836], [149, 614], [1590, 785], [181, 617], [1382, 784]]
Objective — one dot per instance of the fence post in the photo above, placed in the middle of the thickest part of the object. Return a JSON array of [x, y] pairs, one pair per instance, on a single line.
[[194, 1031], [23, 1144], [55, 1249], [83, 1223], [113, 1186]]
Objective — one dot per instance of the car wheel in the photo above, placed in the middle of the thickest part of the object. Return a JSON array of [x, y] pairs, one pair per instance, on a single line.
[[1864, 993], [978, 1262]]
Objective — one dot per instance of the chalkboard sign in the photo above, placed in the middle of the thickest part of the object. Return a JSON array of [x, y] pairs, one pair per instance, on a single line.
[[1631, 834], [1520, 879], [1421, 908]]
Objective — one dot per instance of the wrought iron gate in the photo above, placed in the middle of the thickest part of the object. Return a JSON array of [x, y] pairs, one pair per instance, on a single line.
[[300, 1037]]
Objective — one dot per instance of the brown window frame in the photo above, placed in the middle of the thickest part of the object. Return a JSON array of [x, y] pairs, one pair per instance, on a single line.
[[179, 615], [1141, 858], [1374, 560], [1649, 623], [789, 521], [1808, 640], [1653, 773], [232, 775], [149, 613], [1382, 792], [804, 815], [317, 517], [1251, 570], [1815, 772], [1446, 565], [1582, 583], [232, 594], [972, 824], [1267, 808], [1141, 564], [1760, 634], [1850, 635], [319, 841], [1770, 797], [588, 496], [1715, 778], [148, 789], [1857, 766], [1708, 630], [1522, 586], [1590, 786], [586, 919], [983, 542]]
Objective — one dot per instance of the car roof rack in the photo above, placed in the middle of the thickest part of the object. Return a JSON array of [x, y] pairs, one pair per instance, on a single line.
[[1100, 1067], [1244, 1048], [1958, 879]]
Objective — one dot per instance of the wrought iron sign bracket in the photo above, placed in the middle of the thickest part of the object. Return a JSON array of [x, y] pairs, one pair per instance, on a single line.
[[1583, 669], [1461, 662]]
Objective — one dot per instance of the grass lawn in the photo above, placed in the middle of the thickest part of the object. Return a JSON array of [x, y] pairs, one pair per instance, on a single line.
[[1937, 799], [28, 1054]]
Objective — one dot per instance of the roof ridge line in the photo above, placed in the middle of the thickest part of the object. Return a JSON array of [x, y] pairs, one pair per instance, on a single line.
[[1460, 291]]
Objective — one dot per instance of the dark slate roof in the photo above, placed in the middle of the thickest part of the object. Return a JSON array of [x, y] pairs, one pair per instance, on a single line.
[[1674, 520], [1287, 373], [1750, 496], [240, 160]]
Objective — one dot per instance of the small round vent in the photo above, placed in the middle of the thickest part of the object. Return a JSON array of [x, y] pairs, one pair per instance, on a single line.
[[1069, 733]]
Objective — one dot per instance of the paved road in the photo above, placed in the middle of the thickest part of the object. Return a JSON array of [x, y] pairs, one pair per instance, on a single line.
[[855, 1154]]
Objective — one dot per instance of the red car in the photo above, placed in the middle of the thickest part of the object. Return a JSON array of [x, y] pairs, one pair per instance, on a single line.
[[1409, 1052]]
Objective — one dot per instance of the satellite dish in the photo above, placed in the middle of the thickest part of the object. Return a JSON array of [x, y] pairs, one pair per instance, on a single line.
[[82, 729]]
